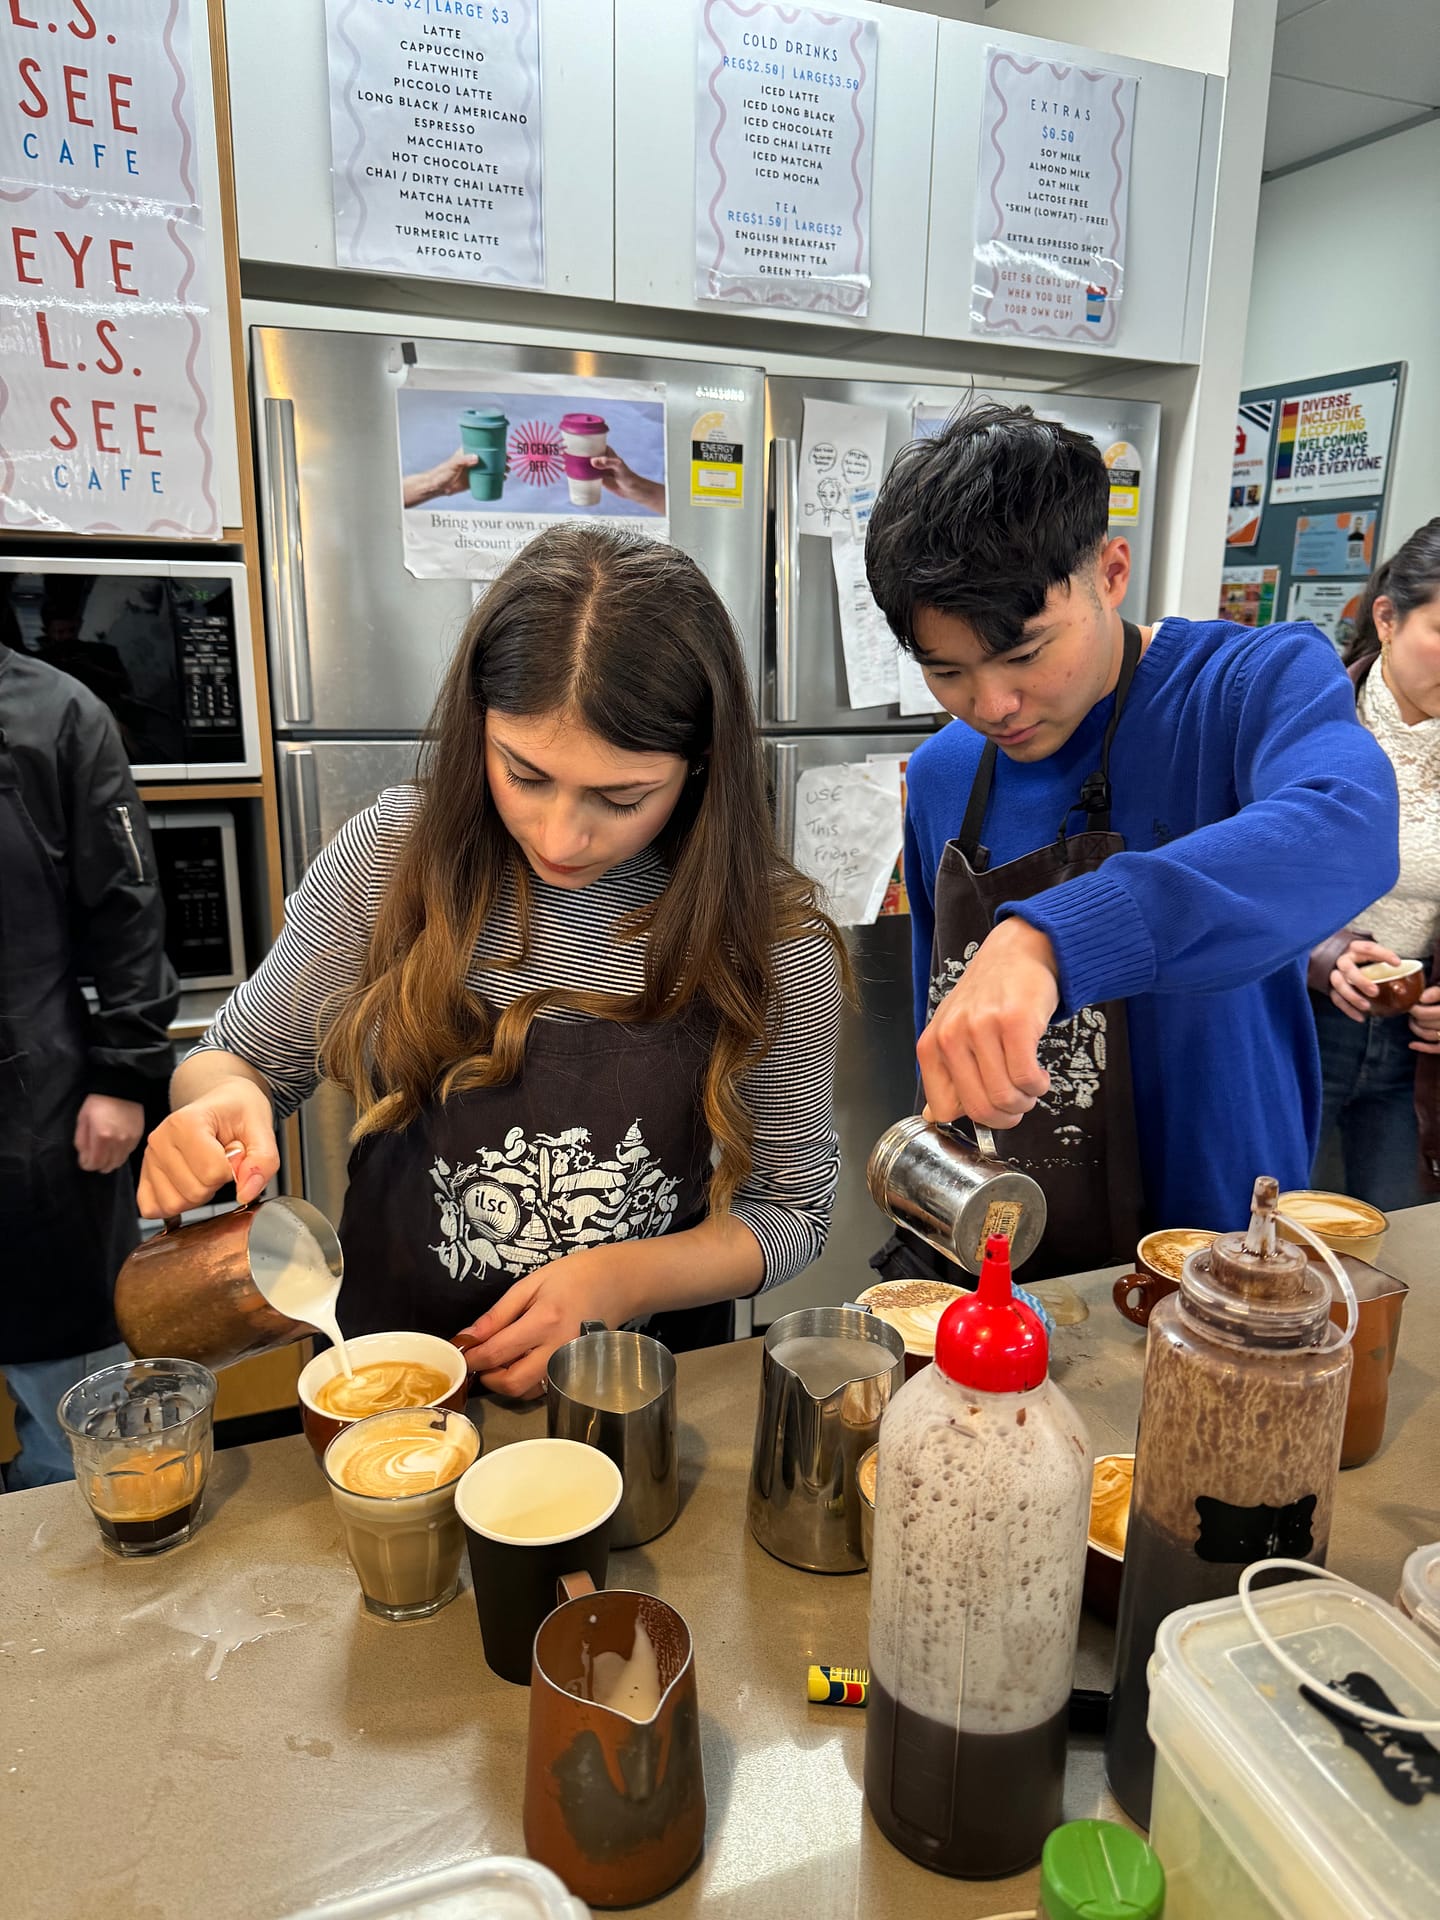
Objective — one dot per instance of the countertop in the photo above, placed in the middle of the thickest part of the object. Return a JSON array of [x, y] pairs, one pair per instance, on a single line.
[[223, 1730]]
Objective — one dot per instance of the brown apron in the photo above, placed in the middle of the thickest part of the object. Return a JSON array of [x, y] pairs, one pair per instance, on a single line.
[[600, 1138], [1079, 1142]]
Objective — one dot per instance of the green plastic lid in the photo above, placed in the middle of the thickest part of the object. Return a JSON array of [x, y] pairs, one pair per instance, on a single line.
[[1096, 1870]]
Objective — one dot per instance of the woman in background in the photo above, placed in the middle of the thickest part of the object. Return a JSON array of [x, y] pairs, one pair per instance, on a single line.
[[1380, 1122]]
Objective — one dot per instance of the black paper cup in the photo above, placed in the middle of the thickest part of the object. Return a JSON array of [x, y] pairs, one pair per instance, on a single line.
[[533, 1512]]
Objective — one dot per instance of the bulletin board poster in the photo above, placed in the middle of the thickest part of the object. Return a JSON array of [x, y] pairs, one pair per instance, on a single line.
[[784, 145], [487, 464], [1052, 201], [1335, 442], [106, 413], [435, 138], [1248, 594], [1249, 471]]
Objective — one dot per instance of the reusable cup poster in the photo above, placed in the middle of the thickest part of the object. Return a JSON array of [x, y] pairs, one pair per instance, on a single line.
[[485, 468], [106, 413], [1249, 471], [1334, 443], [1247, 595], [1331, 605], [435, 138], [1334, 543], [1052, 205], [784, 141]]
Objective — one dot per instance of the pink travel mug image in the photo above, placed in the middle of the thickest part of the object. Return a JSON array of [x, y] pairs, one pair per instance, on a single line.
[[585, 435]]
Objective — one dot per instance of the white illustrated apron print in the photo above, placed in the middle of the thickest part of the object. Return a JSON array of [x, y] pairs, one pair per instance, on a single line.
[[1072, 1051], [518, 1207]]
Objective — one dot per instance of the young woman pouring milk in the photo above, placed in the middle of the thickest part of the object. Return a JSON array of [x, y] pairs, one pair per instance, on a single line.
[[585, 1008]]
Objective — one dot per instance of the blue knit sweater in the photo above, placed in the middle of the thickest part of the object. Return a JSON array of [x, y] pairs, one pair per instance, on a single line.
[[1258, 817]]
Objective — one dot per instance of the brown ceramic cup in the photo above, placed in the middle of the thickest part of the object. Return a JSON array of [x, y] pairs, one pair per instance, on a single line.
[[1158, 1260], [427, 1349], [1399, 987], [614, 1805]]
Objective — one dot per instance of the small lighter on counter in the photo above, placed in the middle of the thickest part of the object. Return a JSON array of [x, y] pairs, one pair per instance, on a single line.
[[838, 1686]]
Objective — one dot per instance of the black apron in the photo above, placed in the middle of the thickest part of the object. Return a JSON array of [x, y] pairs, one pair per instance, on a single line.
[[600, 1138], [65, 1232], [1079, 1143]]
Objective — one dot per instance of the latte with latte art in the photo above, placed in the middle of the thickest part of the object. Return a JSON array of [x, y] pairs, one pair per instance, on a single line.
[[379, 1386]]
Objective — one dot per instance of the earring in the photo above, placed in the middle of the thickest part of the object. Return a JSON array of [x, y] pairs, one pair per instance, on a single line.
[[698, 772]]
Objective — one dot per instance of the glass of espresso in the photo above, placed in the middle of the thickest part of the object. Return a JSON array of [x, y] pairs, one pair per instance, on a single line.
[[141, 1435], [392, 1478]]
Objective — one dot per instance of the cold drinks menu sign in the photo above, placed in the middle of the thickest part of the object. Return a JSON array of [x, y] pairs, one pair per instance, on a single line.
[[435, 138], [105, 404], [1051, 210], [784, 135]]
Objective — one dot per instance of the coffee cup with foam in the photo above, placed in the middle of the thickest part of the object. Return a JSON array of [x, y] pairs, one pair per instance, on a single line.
[[391, 1370], [393, 1477]]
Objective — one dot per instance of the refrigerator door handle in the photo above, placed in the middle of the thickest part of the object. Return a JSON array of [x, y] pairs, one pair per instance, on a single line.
[[786, 482], [287, 566], [303, 837], [783, 756]]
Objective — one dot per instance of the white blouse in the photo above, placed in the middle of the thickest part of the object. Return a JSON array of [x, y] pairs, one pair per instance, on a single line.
[[1407, 919]]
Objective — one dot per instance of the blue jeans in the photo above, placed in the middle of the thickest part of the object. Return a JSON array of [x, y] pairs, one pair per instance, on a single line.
[[37, 1386], [1369, 1137]]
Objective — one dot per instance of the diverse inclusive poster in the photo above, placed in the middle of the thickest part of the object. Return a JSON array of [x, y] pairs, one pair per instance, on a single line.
[[1052, 203], [485, 467], [1249, 471], [784, 141], [1334, 443], [106, 410], [435, 138]]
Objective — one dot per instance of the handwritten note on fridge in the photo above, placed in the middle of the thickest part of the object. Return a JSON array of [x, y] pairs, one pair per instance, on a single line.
[[842, 451], [848, 831]]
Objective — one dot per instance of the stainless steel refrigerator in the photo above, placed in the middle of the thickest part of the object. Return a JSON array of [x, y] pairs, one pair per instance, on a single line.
[[808, 723]]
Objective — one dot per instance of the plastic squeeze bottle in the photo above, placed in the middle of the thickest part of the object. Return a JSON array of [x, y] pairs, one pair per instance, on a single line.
[[980, 1518], [1241, 1416]]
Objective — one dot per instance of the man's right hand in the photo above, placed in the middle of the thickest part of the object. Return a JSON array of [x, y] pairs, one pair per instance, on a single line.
[[185, 1159]]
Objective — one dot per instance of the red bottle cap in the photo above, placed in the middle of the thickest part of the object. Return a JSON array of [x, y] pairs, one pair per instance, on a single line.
[[990, 1341]]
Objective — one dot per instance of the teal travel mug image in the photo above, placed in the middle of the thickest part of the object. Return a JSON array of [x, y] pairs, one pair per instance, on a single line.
[[482, 432]]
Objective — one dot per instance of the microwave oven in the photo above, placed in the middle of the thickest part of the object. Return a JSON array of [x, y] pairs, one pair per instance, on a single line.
[[164, 643], [199, 877]]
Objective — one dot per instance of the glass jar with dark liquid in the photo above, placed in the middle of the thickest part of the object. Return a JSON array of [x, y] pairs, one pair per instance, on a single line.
[[1238, 1454]]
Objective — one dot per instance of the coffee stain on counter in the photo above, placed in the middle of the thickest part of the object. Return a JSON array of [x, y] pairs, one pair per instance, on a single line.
[[317, 1749]]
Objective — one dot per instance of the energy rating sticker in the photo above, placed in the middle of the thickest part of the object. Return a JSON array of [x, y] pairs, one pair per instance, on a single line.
[[717, 463]]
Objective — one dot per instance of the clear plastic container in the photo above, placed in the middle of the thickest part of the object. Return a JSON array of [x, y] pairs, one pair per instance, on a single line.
[[1419, 1595], [500, 1888], [1263, 1809]]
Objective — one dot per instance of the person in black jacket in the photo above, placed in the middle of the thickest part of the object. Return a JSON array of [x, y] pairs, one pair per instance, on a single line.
[[78, 902]]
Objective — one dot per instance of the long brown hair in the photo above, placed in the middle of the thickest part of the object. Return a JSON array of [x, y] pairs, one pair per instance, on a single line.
[[628, 637]]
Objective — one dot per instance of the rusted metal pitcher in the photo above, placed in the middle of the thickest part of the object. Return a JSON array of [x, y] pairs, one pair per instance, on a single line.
[[192, 1293]]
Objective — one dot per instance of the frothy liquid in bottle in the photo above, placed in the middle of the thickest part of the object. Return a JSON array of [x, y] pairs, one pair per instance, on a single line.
[[295, 1277]]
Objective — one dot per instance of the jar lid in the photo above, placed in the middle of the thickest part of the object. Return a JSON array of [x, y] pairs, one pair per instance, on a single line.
[[1420, 1588], [1098, 1870], [989, 1340]]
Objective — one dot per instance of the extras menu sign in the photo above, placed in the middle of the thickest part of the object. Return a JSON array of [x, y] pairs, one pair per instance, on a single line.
[[435, 138], [784, 139], [105, 406]]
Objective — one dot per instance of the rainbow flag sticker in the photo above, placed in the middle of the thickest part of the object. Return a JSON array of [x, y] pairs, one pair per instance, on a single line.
[[1285, 446]]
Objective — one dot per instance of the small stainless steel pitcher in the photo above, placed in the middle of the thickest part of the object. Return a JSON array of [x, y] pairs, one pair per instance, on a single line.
[[616, 1391], [804, 1506], [953, 1194]]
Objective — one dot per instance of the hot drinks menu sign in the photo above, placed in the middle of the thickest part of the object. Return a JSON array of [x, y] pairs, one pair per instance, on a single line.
[[784, 139], [435, 137], [105, 404], [1051, 211]]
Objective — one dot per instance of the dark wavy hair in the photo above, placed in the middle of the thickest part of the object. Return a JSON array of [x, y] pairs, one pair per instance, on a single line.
[[627, 636], [983, 520], [1409, 579]]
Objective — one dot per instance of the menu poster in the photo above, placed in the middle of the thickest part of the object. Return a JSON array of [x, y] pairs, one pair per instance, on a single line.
[[1051, 210], [1334, 444], [105, 404], [486, 466], [784, 139], [1249, 471], [435, 138]]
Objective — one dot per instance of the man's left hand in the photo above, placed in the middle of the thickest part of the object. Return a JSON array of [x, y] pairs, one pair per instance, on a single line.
[[979, 1055], [107, 1132], [509, 1347]]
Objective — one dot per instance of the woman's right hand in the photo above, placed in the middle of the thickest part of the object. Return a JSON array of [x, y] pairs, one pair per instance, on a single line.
[[185, 1158], [1350, 991]]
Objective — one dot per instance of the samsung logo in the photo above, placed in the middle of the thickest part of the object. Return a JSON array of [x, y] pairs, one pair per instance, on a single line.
[[721, 393]]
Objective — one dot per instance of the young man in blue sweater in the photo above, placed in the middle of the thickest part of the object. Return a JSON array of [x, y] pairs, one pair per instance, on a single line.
[[1119, 858]]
